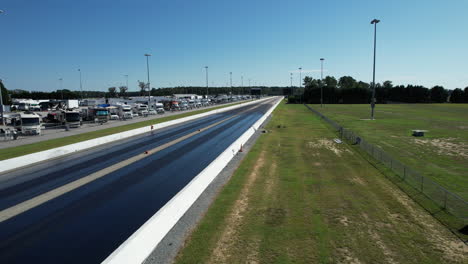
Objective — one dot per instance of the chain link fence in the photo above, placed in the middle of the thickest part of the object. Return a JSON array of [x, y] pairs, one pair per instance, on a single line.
[[445, 199]]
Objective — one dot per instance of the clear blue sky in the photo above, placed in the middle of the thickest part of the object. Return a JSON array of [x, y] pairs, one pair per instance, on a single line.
[[419, 41]]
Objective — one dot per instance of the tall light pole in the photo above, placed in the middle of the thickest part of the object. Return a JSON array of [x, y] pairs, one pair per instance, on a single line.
[[300, 77], [81, 85], [126, 82], [290, 77], [242, 83], [300, 80], [230, 80], [206, 68], [375, 21], [149, 85], [61, 86], [321, 82]]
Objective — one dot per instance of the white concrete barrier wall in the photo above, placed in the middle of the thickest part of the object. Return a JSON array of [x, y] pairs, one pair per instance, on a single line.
[[141, 243], [32, 158]]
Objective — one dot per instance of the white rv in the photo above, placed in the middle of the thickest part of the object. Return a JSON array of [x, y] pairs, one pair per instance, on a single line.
[[28, 123], [141, 109], [125, 112]]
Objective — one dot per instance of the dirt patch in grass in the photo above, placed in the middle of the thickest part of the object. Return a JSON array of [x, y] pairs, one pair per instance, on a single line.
[[374, 235], [451, 247], [347, 257], [270, 181], [344, 220], [445, 146], [325, 143], [235, 218]]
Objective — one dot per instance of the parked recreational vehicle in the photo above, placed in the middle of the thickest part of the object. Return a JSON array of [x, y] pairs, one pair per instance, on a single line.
[[113, 112], [28, 123], [141, 109], [125, 111], [72, 118], [159, 108], [98, 114]]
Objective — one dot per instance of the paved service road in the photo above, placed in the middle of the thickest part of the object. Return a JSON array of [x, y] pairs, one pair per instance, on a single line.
[[80, 208]]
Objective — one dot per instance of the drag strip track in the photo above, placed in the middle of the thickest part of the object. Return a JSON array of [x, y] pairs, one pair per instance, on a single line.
[[86, 224]]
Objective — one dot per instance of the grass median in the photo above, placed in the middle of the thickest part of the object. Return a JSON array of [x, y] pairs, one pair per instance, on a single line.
[[12, 152], [299, 197]]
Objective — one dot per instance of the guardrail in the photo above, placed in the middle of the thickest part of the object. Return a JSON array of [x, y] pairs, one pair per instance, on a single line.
[[442, 197]]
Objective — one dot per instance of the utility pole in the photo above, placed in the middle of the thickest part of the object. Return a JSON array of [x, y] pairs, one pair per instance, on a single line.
[[375, 21], [300, 77], [81, 85], [321, 82], [230, 80], [149, 85], [206, 68], [61, 86], [300, 81], [126, 82]]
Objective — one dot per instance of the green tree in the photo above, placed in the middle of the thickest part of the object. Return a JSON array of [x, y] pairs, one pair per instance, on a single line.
[[112, 92], [457, 96], [465, 95], [123, 91], [330, 82], [347, 82], [387, 85], [439, 94], [142, 86]]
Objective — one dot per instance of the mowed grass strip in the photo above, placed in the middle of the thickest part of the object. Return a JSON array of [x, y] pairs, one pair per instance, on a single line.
[[298, 197], [12, 152], [442, 154]]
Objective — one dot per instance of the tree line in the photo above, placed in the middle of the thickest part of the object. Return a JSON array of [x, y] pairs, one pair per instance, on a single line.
[[347, 90], [122, 91]]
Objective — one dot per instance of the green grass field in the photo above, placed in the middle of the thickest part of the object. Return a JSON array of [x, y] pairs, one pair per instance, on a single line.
[[298, 197], [8, 153], [442, 154]]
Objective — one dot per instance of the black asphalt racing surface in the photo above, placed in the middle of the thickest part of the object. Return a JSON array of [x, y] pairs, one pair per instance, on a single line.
[[89, 223]]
